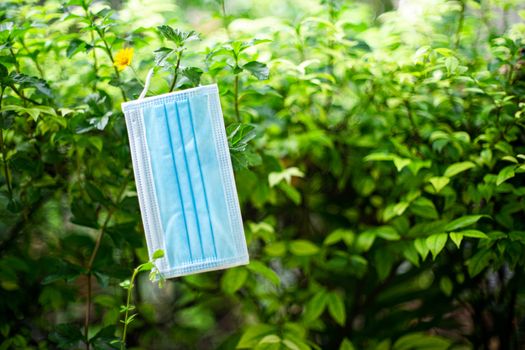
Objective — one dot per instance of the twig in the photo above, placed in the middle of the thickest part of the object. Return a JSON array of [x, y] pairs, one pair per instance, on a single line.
[[19, 225], [236, 97], [34, 59], [89, 273], [4, 153], [110, 55], [22, 96], [415, 133], [128, 305], [92, 37], [176, 74], [17, 65], [89, 267], [460, 24], [225, 17]]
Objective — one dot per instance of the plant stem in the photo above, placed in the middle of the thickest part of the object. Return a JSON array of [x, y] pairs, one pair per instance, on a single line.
[[176, 74], [34, 59], [92, 37], [94, 255], [460, 24], [88, 311], [6, 168], [415, 133], [136, 75], [17, 65], [223, 8], [126, 314], [110, 55], [236, 97], [89, 273], [22, 96], [224, 17], [4, 153], [17, 69]]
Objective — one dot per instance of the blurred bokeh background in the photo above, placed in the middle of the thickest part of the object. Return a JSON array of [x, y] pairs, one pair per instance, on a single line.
[[378, 149]]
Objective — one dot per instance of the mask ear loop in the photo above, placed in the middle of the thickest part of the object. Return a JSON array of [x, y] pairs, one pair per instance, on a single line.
[[146, 84]]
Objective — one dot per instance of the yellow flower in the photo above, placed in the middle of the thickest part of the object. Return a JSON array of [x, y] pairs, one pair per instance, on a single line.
[[123, 58]]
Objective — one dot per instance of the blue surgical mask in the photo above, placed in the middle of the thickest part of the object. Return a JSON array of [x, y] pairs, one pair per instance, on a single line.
[[185, 182]]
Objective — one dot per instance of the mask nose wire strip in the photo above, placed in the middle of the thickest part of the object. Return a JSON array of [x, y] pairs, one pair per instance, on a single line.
[[146, 84]]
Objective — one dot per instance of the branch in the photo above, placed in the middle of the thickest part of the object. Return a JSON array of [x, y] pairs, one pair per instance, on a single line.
[[4, 153], [176, 74], [19, 225], [94, 255], [460, 24], [21, 95]]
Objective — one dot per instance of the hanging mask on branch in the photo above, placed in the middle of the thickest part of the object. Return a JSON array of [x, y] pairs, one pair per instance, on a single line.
[[185, 182]]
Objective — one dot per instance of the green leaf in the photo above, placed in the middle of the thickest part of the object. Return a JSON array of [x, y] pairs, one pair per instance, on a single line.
[[161, 56], [457, 168], [463, 221], [456, 238], [178, 37], [291, 192], [379, 157], [505, 174], [411, 254], [401, 163], [146, 266], [239, 46], [271, 339], [446, 285], [336, 308], [421, 341], [340, 235], [285, 175], [292, 345], [258, 69], [159, 253], [125, 284], [75, 46], [315, 306], [275, 249], [422, 248], [34, 111], [451, 64], [233, 279], [26, 81], [383, 261], [94, 192], [67, 336], [239, 135], [436, 243], [425, 208], [439, 182], [387, 232], [510, 159], [261, 269], [365, 240], [474, 234], [191, 75], [253, 334], [303, 247], [479, 262], [346, 345]]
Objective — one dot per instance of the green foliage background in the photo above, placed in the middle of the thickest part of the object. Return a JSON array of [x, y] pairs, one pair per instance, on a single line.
[[379, 168]]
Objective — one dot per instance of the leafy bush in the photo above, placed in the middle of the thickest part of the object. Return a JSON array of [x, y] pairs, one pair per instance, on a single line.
[[379, 163]]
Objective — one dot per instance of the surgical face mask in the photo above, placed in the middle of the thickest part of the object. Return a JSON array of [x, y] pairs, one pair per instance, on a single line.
[[185, 182]]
